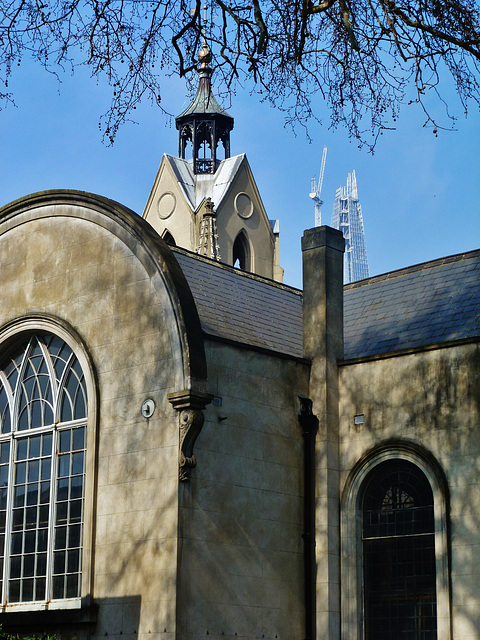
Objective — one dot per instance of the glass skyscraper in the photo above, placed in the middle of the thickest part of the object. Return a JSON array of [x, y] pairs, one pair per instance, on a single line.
[[347, 217]]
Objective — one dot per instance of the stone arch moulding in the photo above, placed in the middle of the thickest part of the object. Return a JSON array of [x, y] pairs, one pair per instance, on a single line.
[[14, 332], [159, 262], [350, 533]]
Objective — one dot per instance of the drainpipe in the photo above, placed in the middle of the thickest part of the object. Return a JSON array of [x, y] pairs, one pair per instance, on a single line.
[[309, 425]]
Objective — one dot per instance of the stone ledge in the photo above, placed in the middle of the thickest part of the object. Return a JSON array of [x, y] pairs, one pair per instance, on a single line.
[[24, 621]]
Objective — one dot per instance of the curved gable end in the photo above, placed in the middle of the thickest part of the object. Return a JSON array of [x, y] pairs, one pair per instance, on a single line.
[[86, 258], [101, 352]]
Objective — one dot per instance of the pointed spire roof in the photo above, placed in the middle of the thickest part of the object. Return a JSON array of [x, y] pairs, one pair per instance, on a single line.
[[204, 101]]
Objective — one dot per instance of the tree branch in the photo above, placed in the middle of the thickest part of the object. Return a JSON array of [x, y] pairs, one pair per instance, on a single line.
[[436, 33], [348, 25], [263, 37], [323, 6]]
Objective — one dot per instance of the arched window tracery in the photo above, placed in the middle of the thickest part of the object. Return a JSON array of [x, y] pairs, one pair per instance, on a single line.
[[396, 496], [43, 411]]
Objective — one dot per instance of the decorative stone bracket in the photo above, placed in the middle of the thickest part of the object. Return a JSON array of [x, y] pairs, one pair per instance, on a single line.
[[190, 405]]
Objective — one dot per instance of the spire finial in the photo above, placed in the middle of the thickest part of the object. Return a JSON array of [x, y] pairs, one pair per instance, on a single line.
[[205, 55], [204, 123], [205, 23]]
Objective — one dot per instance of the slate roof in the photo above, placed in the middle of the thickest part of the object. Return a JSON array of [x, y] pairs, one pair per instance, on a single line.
[[238, 306], [427, 304]]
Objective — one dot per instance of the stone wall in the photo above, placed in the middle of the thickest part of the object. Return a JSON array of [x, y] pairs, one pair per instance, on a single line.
[[430, 400], [241, 516], [68, 271]]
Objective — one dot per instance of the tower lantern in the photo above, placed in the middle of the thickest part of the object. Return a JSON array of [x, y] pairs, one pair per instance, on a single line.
[[204, 123]]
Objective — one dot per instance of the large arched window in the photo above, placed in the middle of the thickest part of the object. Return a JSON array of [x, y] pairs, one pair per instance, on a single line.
[[399, 566], [394, 546], [43, 409]]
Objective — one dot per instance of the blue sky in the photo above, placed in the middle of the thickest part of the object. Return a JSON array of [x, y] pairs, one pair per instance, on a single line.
[[420, 194]]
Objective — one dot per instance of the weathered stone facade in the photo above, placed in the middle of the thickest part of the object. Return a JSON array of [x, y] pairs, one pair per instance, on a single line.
[[195, 520], [259, 462], [161, 557], [424, 406]]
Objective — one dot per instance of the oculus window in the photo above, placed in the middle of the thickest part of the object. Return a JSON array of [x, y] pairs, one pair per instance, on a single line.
[[43, 406], [399, 565]]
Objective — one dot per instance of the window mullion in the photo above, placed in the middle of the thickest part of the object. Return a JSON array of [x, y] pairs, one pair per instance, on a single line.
[[53, 378], [8, 520], [52, 513], [61, 384], [9, 391]]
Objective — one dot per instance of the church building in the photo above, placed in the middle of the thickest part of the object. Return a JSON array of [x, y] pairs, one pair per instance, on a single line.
[[190, 449]]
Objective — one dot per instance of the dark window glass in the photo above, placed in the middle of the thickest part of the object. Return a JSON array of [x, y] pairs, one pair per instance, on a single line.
[[241, 253], [169, 239], [399, 554]]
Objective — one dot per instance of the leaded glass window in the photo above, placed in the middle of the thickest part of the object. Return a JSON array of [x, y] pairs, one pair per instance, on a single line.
[[399, 554], [43, 407]]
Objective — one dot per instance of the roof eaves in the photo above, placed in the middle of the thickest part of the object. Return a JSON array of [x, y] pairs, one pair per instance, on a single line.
[[389, 275], [382, 355]]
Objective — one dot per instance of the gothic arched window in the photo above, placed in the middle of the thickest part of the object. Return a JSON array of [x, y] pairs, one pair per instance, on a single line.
[[185, 138], [43, 409], [241, 253], [169, 239], [399, 566]]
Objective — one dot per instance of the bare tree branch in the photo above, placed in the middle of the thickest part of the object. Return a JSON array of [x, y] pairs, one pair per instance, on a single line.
[[362, 59]]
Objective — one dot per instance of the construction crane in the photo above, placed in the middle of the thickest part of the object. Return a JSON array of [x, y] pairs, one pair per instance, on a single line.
[[317, 190]]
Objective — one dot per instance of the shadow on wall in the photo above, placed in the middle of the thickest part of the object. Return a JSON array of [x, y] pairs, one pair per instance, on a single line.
[[431, 397], [106, 617], [241, 517], [119, 617], [433, 382]]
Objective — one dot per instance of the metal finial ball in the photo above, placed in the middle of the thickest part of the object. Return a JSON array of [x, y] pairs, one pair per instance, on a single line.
[[205, 55]]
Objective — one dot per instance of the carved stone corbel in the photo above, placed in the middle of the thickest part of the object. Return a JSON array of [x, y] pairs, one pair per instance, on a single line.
[[190, 405]]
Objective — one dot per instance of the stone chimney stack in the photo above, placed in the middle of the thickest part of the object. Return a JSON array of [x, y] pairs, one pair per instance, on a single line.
[[323, 249]]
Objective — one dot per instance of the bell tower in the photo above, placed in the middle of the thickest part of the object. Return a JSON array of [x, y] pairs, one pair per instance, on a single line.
[[204, 124], [206, 200]]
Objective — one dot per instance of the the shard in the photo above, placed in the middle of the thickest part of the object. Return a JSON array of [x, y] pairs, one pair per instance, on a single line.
[[347, 217]]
